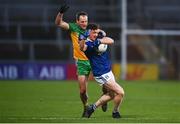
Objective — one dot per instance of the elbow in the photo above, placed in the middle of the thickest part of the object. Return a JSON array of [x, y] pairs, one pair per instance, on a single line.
[[107, 40], [112, 41]]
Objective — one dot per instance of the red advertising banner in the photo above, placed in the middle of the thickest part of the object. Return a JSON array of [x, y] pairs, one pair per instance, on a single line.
[[71, 72], [138, 71]]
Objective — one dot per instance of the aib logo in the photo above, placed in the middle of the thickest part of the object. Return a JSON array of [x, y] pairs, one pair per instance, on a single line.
[[30, 72]]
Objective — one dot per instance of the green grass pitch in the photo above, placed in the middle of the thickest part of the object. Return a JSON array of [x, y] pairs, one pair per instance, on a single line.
[[58, 102]]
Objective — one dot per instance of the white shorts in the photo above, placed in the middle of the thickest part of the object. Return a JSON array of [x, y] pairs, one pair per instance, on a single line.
[[105, 78]]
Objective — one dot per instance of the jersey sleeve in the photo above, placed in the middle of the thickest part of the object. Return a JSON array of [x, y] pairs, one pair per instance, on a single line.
[[72, 27]]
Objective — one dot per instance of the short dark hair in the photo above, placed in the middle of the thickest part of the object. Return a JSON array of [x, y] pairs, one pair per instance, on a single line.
[[92, 26], [82, 13]]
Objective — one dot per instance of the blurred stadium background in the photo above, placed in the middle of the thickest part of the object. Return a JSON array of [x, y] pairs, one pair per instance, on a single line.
[[32, 47]]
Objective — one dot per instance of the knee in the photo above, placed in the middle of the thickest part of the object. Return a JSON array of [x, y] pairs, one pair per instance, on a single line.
[[111, 94], [82, 87], [121, 92], [104, 90], [82, 90]]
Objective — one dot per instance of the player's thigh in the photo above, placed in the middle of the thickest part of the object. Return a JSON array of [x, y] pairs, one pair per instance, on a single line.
[[115, 87], [83, 67]]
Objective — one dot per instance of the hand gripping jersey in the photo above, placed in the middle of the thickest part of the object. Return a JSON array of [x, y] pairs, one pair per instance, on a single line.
[[100, 62]]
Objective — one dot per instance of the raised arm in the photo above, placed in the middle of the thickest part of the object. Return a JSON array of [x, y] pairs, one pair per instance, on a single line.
[[59, 18]]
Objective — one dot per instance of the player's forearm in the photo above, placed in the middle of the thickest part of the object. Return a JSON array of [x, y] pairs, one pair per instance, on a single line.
[[107, 40], [59, 21], [82, 45]]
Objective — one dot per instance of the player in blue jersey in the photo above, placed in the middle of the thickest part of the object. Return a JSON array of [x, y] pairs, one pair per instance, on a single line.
[[101, 68]]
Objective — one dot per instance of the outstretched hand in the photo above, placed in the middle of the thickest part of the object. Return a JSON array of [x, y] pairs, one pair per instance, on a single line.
[[64, 7]]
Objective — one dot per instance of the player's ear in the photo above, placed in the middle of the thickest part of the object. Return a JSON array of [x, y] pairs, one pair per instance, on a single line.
[[77, 21], [88, 31]]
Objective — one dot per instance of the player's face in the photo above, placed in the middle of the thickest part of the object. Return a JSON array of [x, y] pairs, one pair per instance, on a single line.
[[93, 34], [83, 21]]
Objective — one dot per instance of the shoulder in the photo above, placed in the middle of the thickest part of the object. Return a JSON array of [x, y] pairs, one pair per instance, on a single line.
[[88, 42], [73, 27], [72, 24]]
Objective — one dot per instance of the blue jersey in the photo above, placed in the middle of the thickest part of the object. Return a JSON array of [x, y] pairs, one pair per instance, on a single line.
[[100, 62]]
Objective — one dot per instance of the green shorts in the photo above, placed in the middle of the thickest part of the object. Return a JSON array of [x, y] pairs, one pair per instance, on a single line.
[[83, 67]]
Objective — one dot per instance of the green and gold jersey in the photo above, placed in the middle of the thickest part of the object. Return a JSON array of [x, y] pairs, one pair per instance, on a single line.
[[75, 31]]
